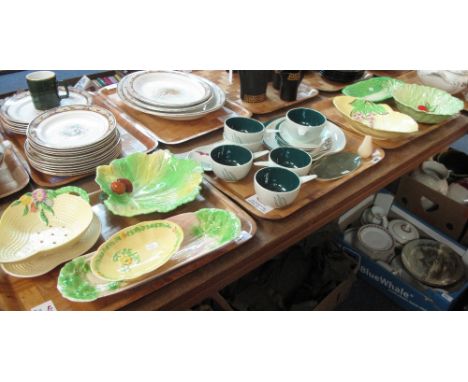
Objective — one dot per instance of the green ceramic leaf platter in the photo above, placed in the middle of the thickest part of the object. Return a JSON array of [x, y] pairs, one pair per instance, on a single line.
[[161, 182], [440, 104], [336, 166], [206, 230], [374, 89]]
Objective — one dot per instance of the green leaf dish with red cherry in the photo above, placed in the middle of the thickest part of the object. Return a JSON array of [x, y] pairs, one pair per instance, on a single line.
[[426, 104], [145, 183]]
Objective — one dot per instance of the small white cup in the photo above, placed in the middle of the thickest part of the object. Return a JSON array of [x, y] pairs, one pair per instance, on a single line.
[[374, 215], [242, 130], [278, 187], [296, 160], [232, 162], [304, 124]]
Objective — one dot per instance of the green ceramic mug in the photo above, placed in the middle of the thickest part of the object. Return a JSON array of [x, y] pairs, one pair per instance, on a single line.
[[43, 87]]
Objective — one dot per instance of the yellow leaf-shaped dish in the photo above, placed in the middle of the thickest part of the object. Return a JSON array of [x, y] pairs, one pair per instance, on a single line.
[[377, 120], [137, 250], [43, 220]]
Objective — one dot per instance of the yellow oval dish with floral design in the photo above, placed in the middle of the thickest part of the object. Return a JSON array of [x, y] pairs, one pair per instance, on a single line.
[[137, 250], [43, 220], [378, 120]]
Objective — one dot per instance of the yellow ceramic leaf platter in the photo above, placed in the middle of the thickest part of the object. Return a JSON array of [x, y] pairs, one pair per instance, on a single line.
[[389, 125], [137, 250]]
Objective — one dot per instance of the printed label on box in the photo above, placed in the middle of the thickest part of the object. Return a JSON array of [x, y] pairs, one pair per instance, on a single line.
[[253, 200], [47, 306]]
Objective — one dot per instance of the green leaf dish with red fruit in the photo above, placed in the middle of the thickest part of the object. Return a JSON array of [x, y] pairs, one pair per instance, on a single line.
[[426, 104], [145, 183]]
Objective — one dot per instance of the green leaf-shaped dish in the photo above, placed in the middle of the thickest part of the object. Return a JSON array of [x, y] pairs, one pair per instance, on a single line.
[[440, 105], [205, 231], [374, 89], [161, 183]]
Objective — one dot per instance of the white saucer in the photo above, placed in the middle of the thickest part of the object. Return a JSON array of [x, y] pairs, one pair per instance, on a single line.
[[302, 145], [331, 130]]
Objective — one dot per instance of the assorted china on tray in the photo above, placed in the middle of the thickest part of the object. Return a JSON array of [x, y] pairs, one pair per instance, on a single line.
[[127, 258], [415, 103], [141, 184], [18, 110], [170, 94], [303, 146], [46, 228], [72, 140]]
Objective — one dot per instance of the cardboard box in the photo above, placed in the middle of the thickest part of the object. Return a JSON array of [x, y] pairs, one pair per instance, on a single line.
[[405, 291], [447, 215], [341, 292]]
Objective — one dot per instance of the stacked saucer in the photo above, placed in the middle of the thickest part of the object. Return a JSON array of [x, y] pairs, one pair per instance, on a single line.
[[170, 94], [72, 140], [18, 111]]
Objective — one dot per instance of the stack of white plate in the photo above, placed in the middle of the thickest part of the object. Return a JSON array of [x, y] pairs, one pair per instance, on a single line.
[[171, 95], [72, 140], [18, 111]]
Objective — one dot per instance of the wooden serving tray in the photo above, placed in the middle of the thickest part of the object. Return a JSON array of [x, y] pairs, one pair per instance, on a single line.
[[135, 138], [327, 107], [273, 101], [25, 294], [411, 77], [310, 192], [168, 131], [13, 175], [315, 80]]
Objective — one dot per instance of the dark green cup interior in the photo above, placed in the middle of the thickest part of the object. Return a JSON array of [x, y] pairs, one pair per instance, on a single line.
[[231, 155], [244, 125], [277, 179], [290, 157], [306, 117]]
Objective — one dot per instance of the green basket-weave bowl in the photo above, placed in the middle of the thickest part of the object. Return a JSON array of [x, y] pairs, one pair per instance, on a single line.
[[441, 105]]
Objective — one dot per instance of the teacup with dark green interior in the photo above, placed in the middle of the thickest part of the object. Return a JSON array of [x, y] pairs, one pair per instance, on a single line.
[[304, 124], [231, 162], [243, 130], [43, 87], [278, 187], [294, 159], [277, 179]]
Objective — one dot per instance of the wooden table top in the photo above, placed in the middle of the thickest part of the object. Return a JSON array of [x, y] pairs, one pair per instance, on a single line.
[[275, 236]]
